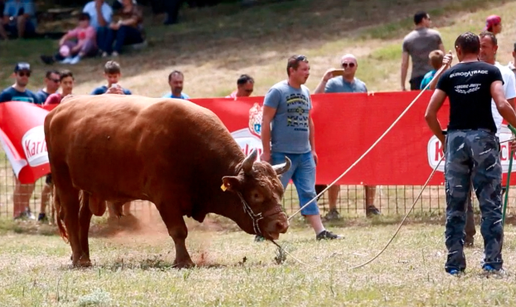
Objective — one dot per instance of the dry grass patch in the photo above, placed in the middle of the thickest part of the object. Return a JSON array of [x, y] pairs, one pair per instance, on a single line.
[[236, 271]]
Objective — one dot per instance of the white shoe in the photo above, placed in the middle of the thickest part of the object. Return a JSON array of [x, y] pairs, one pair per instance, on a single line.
[[75, 60], [67, 60], [104, 54], [114, 54]]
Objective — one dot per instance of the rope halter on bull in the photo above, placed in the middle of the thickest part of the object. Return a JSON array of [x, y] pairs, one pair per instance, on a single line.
[[247, 166]]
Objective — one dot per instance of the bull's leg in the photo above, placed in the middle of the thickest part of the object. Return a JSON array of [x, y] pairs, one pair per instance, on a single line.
[[69, 203], [84, 227], [177, 230]]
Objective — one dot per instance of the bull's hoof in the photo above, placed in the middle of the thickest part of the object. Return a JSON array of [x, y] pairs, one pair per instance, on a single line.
[[187, 264], [82, 263]]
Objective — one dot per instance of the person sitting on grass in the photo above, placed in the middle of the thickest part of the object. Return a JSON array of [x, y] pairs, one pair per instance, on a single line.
[[76, 44], [127, 31]]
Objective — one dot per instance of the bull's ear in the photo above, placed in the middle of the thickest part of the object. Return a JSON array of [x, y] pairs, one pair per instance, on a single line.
[[231, 183]]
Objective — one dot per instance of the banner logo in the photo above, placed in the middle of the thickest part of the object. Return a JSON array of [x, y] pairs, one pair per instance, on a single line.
[[249, 138], [435, 151], [35, 146]]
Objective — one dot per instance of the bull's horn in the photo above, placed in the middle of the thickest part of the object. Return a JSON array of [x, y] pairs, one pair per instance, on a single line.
[[283, 167], [247, 165]]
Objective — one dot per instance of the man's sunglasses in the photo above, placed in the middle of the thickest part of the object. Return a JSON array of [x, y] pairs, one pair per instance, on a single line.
[[345, 65], [55, 80], [24, 73]]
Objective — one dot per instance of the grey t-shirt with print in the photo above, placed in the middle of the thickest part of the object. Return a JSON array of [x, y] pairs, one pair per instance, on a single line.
[[290, 129], [419, 43], [339, 85]]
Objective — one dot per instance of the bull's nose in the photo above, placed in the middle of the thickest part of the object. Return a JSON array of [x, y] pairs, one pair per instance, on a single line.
[[282, 226]]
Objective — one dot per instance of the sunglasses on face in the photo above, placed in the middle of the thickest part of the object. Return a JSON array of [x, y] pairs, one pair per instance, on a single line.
[[23, 74], [345, 65], [55, 80]]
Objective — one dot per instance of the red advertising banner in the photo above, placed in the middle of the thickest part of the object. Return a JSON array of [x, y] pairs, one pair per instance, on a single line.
[[23, 139], [346, 125]]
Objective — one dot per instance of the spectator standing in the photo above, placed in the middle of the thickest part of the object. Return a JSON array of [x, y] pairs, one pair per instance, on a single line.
[[494, 24], [101, 15], [67, 83], [472, 151], [176, 81], [511, 64], [288, 131], [52, 82], [488, 49], [19, 92], [245, 87], [112, 74], [19, 18], [127, 30], [436, 60], [417, 45], [347, 83]]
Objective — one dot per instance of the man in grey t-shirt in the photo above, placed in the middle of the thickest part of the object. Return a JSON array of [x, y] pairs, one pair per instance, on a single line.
[[418, 44], [288, 130], [332, 82]]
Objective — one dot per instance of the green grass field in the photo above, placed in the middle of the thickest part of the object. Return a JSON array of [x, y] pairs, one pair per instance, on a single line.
[[135, 270]]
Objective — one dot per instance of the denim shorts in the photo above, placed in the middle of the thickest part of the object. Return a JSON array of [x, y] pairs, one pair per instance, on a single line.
[[302, 173]]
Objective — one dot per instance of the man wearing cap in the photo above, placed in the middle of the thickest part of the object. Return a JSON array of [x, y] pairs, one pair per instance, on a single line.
[[18, 91], [494, 24], [417, 45]]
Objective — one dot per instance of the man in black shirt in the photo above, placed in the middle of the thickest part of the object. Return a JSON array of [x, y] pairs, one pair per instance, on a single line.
[[472, 150]]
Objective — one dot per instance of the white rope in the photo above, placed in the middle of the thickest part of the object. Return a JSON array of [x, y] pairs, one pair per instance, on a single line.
[[399, 226], [372, 146]]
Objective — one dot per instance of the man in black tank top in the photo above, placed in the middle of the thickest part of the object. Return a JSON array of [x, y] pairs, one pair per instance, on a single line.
[[472, 150]]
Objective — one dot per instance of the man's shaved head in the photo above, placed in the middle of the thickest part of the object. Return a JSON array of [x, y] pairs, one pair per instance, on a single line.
[[348, 57]]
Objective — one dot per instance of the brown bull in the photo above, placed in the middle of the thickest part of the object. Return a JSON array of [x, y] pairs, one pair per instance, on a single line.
[[171, 152]]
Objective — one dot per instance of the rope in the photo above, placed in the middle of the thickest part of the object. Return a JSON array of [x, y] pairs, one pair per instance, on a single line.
[[281, 250], [372, 146]]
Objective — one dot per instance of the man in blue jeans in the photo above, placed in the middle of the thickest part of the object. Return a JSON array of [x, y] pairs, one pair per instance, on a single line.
[[19, 18], [472, 151], [288, 130]]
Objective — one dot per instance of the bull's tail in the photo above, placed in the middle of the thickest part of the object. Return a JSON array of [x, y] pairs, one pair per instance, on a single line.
[[59, 215]]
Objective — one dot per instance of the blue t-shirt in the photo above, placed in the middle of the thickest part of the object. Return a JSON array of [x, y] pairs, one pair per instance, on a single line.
[[103, 89], [170, 95], [11, 94], [339, 85], [106, 10], [427, 79], [42, 96], [14, 8], [290, 129]]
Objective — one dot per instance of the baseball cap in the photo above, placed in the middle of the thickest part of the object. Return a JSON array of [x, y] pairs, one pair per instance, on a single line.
[[492, 20], [22, 66]]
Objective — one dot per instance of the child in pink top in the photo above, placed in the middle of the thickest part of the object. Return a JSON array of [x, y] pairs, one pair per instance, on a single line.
[[76, 44]]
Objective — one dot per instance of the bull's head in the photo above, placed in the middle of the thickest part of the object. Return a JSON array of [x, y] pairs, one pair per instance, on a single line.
[[258, 184]]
